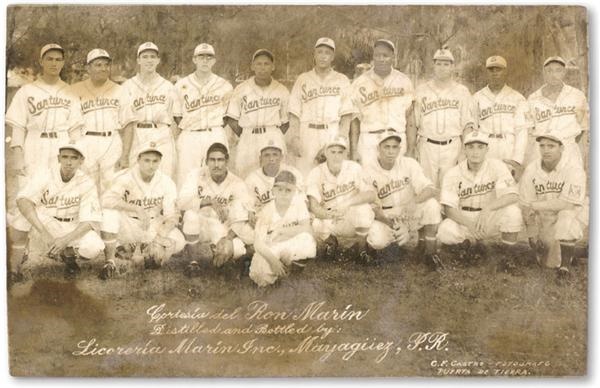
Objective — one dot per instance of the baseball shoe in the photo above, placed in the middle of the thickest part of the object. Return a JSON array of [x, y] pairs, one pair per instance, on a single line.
[[150, 262], [464, 250], [563, 273], [192, 270], [246, 260], [15, 277], [330, 248], [125, 252], [434, 262], [109, 269], [477, 253]]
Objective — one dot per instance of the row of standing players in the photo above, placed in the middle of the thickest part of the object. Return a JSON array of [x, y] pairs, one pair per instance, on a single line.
[[428, 123]]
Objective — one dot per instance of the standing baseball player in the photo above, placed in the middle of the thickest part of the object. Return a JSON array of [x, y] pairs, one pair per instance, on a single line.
[[340, 201], [43, 115], [59, 207], [319, 107], [283, 235], [383, 99], [405, 201], [257, 111], [559, 108], [152, 98], [554, 203], [215, 203], [480, 198], [203, 98], [501, 112], [139, 210], [105, 113], [444, 111]]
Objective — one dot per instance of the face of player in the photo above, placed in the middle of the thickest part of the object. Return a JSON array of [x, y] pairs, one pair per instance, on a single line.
[[324, 57], [217, 165], [442, 69], [550, 151], [148, 61], [204, 62], [270, 160], [52, 63], [149, 163], [475, 152], [496, 76], [383, 58], [554, 73], [389, 151], [263, 67], [335, 156], [283, 193], [99, 70], [69, 161]]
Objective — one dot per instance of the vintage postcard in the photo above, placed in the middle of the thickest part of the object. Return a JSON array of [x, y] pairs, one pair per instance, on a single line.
[[297, 191]]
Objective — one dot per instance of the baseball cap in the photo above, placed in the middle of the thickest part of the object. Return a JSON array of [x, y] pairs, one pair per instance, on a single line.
[[50, 46], [385, 42], [476, 137], [147, 46], [147, 147], [97, 53], [556, 59], [495, 61], [204, 48], [72, 145], [550, 135], [263, 52], [325, 42], [337, 141], [272, 143], [443, 55], [285, 177], [388, 134]]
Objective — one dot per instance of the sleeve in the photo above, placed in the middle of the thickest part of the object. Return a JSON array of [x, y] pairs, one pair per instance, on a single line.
[[35, 187], [574, 189], [227, 93], [188, 194], [526, 185], [354, 97], [75, 119], [295, 102], [468, 109], [301, 210], [17, 114], [419, 180], [312, 184], [173, 101], [262, 225], [243, 195], [178, 101], [520, 131], [346, 106], [234, 107], [362, 179], [299, 181], [126, 115], [89, 207], [169, 207], [524, 118], [449, 192], [505, 183], [254, 201], [283, 106], [417, 110], [114, 194], [582, 112]]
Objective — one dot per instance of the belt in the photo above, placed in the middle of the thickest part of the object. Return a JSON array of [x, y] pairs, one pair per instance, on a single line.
[[201, 130], [259, 130], [440, 142], [471, 209], [318, 126], [378, 131], [64, 219], [387, 207], [49, 135], [105, 134], [145, 125], [496, 136]]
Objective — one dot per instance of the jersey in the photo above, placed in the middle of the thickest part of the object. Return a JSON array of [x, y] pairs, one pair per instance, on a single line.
[[333, 190], [151, 103], [269, 220], [568, 115], [461, 188], [260, 186], [319, 100], [200, 105], [76, 199], [567, 182], [443, 114], [254, 106], [382, 103], [503, 114], [156, 197]]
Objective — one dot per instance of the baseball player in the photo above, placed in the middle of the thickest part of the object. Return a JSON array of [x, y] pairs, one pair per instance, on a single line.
[[501, 112], [405, 201], [320, 107], [443, 113], [257, 111], [139, 210], [215, 203], [59, 210], [340, 201], [558, 108], [105, 113], [202, 103], [382, 98], [480, 198], [552, 196], [283, 235], [43, 115], [152, 98]]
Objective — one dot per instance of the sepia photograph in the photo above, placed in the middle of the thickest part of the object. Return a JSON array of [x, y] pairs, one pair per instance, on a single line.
[[297, 190]]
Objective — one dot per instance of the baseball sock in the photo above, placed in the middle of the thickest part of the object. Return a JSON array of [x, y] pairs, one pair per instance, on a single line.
[[567, 251], [16, 257], [430, 244]]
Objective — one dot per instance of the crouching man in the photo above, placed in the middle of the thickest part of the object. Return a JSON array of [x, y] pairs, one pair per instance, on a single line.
[[556, 210], [62, 206], [283, 235], [139, 211]]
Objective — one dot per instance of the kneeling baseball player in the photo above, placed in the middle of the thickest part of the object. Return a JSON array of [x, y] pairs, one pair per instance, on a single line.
[[62, 206], [556, 210], [405, 201], [283, 235], [480, 199], [139, 210]]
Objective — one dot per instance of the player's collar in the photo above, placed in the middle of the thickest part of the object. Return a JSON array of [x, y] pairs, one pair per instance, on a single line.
[[489, 92]]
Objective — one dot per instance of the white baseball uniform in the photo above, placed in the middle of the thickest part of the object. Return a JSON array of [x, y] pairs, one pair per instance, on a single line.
[[259, 112], [500, 117], [469, 193], [62, 206], [156, 197], [202, 107], [152, 107], [379, 104], [560, 116], [42, 116], [269, 223], [334, 192], [105, 112], [260, 185], [319, 103], [396, 190], [441, 116]]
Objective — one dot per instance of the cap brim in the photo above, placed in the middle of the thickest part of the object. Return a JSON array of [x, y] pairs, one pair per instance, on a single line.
[[476, 141], [550, 137]]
